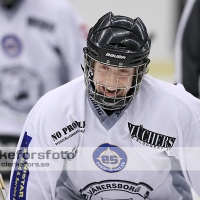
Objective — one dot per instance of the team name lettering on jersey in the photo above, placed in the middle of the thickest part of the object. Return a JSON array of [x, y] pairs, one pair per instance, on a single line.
[[41, 24], [95, 188], [97, 107], [150, 138], [69, 130]]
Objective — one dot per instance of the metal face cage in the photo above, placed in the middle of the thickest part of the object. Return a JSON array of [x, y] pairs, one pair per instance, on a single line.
[[111, 86]]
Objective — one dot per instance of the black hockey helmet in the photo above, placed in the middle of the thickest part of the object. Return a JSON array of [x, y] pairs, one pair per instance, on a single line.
[[120, 42]]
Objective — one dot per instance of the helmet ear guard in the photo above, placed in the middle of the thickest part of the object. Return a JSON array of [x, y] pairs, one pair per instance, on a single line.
[[120, 42]]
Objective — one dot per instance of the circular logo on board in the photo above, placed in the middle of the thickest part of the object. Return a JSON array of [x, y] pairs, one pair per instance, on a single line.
[[110, 158], [12, 45]]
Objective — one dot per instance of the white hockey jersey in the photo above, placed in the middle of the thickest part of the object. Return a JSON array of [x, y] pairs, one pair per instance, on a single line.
[[71, 149], [41, 47]]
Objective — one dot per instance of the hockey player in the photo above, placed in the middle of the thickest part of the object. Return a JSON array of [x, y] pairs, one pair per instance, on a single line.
[[187, 48], [124, 136], [41, 46]]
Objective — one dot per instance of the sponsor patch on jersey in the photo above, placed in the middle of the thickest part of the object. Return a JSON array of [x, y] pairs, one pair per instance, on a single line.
[[122, 188], [21, 173], [68, 132], [150, 138], [109, 158], [12, 45]]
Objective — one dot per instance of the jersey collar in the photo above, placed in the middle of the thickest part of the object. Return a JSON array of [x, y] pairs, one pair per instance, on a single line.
[[106, 120]]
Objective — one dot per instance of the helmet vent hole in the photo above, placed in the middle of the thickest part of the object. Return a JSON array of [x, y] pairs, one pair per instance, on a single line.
[[117, 45]]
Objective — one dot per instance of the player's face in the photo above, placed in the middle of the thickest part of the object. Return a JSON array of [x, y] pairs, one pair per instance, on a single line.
[[112, 81]]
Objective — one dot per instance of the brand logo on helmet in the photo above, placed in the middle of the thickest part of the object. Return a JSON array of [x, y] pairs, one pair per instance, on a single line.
[[115, 56]]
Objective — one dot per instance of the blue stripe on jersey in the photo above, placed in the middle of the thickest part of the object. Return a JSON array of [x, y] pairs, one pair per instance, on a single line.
[[21, 172]]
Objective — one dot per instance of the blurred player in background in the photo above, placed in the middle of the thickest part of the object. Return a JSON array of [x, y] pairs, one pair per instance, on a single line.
[[41, 44], [187, 48], [123, 133]]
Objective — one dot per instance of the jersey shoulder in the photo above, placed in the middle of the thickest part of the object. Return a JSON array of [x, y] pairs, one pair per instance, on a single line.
[[65, 94], [61, 103], [174, 97], [176, 91], [58, 109], [55, 7]]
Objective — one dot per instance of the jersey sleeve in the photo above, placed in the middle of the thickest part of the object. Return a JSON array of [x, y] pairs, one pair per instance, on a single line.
[[191, 154], [187, 148], [34, 173], [71, 35]]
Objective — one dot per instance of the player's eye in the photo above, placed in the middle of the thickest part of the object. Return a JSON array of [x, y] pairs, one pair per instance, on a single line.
[[104, 68], [124, 71]]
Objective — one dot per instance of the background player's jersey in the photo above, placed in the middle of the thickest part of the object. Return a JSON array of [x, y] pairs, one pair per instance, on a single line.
[[41, 46], [129, 155]]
